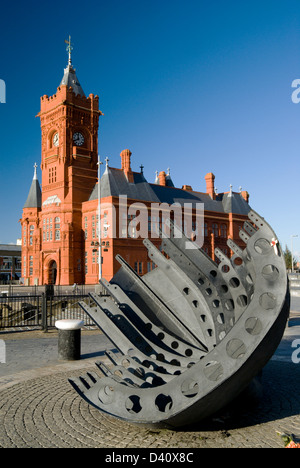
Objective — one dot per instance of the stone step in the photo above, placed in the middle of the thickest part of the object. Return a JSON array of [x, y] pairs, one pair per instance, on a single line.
[[294, 276], [295, 292], [294, 283]]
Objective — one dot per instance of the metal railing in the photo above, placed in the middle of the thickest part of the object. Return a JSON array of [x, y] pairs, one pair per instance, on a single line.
[[41, 310], [65, 307], [57, 290]]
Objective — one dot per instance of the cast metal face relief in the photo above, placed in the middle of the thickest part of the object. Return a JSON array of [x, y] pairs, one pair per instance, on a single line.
[[191, 334]]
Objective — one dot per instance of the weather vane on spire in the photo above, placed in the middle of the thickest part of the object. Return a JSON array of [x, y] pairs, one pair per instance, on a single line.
[[69, 50]]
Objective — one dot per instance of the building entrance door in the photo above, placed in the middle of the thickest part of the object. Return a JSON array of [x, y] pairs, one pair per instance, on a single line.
[[52, 273]]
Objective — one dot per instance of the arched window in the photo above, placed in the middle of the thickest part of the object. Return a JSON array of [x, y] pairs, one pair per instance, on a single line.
[[31, 230], [215, 229], [57, 228], [223, 230]]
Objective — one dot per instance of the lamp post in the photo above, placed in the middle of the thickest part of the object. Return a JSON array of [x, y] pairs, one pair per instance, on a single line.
[[99, 218], [294, 235]]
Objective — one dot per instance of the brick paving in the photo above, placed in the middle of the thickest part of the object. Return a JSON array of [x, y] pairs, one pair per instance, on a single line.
[[46, 412], [39, 409]]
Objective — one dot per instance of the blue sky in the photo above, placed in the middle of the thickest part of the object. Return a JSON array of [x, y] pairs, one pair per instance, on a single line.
[[197, 86]]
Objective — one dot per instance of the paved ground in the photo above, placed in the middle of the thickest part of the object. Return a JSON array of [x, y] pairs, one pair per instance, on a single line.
[[38, 407]]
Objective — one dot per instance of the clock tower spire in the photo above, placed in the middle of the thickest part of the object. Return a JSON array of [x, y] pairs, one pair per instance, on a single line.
[[69, 126], [69, 50], [70, 79]]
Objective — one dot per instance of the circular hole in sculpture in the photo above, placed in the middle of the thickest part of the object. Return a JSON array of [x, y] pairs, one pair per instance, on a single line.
[[249, 279], [174, 344], [213, 273], [229, 304], [216, 303], [160, 335], [221, 318], [253, 326], [126, 363], [224, 288], [262, 246], [133, 404], [189, 388], [191, 364], [160, 357], [163, 403], [208, 291], [157, 381], [213, 371], [236, 349], [186, 291], [148, 380], [267, 301], [175, 362], [146, 363], [195, 304], [234, 282], [139, 372], [238, 261], [225, 269], [270, 273], [188, 352], [242, 300]]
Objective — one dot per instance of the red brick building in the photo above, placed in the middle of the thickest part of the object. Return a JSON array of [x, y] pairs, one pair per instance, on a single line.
[[60, 220]]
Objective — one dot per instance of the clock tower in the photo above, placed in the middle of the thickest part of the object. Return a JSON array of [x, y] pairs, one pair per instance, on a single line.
[[69, 126]]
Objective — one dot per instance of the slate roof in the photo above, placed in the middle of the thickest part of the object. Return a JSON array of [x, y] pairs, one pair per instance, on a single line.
[[7, 249], [70, 79], [34, 199], [234, 203], [115, 183]]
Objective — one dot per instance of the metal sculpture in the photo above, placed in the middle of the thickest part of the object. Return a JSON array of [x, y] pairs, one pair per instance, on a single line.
[[191, 334]]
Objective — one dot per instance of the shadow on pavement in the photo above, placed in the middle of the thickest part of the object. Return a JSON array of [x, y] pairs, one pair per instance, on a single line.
[[277, 397]]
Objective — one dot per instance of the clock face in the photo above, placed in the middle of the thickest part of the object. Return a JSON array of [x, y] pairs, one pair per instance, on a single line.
[[56, 139], [78, 139]]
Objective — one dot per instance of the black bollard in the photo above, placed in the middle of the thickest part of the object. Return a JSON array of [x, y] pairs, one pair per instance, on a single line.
[[69, 339]]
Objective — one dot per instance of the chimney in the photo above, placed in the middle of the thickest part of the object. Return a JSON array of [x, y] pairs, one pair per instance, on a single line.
[[188, 188], [245, 195], [162, 178], [126, 167], [210, 184]]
